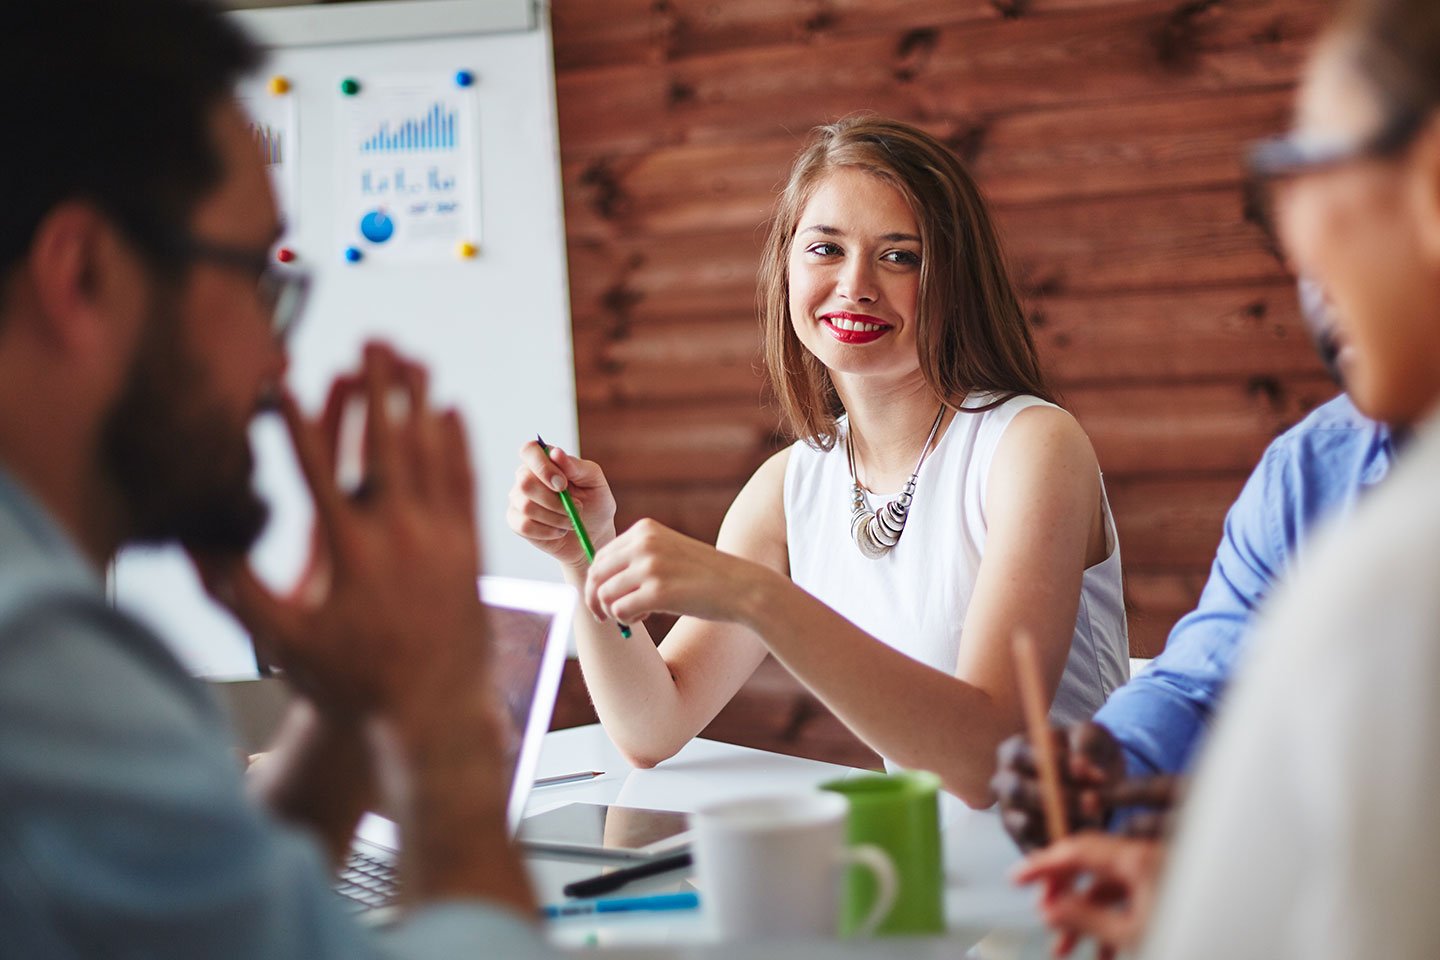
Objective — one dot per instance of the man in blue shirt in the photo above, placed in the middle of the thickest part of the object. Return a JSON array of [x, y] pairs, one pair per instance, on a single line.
[[1153, 725], [141, 325], [1315, 469]]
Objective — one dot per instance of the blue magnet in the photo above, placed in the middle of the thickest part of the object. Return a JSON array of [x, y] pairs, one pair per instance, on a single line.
[[376, 226], [464, 78], [354, 254]]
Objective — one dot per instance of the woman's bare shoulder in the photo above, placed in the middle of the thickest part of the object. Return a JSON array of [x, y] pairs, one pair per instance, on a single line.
[[754, 525]]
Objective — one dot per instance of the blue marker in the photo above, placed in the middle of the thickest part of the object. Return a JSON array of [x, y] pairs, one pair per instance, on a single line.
[[661, 901]]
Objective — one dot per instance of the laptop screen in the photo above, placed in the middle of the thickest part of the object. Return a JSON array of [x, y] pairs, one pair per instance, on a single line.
[[529, 630], [518, 652]]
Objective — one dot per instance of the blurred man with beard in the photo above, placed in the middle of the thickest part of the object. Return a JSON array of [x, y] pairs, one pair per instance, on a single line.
[[141, 330], [1311, 829]]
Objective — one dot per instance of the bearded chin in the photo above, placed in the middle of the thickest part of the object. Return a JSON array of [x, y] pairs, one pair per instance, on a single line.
[[173, 493], [181, 468]]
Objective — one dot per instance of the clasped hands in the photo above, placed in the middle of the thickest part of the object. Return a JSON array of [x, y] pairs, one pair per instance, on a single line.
[[385, 622]]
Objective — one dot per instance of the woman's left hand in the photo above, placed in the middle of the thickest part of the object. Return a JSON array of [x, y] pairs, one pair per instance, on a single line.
[[652, 569]]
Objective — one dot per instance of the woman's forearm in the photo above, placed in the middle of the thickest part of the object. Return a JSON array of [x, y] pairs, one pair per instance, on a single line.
[[634, 693], [909, 712]]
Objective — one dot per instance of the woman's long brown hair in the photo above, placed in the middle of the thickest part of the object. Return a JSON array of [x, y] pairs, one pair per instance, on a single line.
[[970, 330]]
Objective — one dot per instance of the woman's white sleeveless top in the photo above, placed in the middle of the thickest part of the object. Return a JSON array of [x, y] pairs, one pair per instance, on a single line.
[[915, 597]]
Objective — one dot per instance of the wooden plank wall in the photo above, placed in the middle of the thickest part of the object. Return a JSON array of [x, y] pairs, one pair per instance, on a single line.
[[1107, 135]]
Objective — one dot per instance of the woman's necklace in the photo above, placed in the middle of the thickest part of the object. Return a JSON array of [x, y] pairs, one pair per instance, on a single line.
[[876, 531]]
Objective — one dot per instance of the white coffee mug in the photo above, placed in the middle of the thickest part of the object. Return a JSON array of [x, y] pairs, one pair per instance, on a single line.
[[772, 866]]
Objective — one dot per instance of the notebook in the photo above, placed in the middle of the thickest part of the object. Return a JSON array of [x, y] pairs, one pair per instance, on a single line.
[[529, 632]]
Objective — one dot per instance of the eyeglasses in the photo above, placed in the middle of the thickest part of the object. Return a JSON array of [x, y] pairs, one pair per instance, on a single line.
[[282, 290], [1280, 159], [1294, 153]]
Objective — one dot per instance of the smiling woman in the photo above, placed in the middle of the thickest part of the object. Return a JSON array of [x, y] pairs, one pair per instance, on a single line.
[[931, 203], [891, 324], [859, 242]]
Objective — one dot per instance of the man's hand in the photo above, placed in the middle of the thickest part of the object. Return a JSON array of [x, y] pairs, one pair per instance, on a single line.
[[385, 633], [316, 775], [1090, 763], [387, 611], [1149, 803], [1098, 886]]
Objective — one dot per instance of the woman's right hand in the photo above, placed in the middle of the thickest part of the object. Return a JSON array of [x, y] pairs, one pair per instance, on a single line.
[[535, 511]]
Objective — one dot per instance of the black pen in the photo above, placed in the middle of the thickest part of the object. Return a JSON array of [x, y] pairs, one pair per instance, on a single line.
[[608, 882]]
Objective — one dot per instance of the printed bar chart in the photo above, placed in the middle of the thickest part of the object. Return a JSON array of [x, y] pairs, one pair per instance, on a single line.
[[434, 131], [410, 159]]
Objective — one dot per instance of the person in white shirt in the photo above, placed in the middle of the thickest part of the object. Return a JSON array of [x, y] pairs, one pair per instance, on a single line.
[[1311, 829], [897, 349]]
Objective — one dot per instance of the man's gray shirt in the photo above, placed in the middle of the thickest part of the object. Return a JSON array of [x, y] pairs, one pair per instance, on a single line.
[[125, 830]]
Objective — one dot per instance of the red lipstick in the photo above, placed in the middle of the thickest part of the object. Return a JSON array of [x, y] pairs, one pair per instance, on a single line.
[[854, 328]]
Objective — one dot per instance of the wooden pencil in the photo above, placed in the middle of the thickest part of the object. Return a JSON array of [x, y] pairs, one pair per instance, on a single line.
[[1032, 701]]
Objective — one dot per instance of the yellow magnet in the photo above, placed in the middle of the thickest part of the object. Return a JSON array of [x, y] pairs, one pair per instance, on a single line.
[[467, 250], [279, 85]]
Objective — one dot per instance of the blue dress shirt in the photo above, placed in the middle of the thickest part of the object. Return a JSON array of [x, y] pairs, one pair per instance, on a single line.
[[1318, 467], [124, 827]]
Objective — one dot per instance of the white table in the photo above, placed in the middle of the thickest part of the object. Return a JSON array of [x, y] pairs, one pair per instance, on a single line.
[[986, 915]]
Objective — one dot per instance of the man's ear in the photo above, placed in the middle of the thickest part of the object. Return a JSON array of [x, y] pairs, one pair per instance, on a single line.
[[83, 273]]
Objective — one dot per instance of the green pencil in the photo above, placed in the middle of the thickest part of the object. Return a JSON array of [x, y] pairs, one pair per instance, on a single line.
[[568, 502]]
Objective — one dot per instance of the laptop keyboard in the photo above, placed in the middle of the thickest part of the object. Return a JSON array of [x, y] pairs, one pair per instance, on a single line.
[[367, 881]]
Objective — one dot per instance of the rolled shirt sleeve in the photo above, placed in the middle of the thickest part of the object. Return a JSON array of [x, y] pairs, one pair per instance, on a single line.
[[1317, 468], [1159, 716]]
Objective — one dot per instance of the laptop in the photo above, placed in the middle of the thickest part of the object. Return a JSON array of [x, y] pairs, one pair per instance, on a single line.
[[529, 633]]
